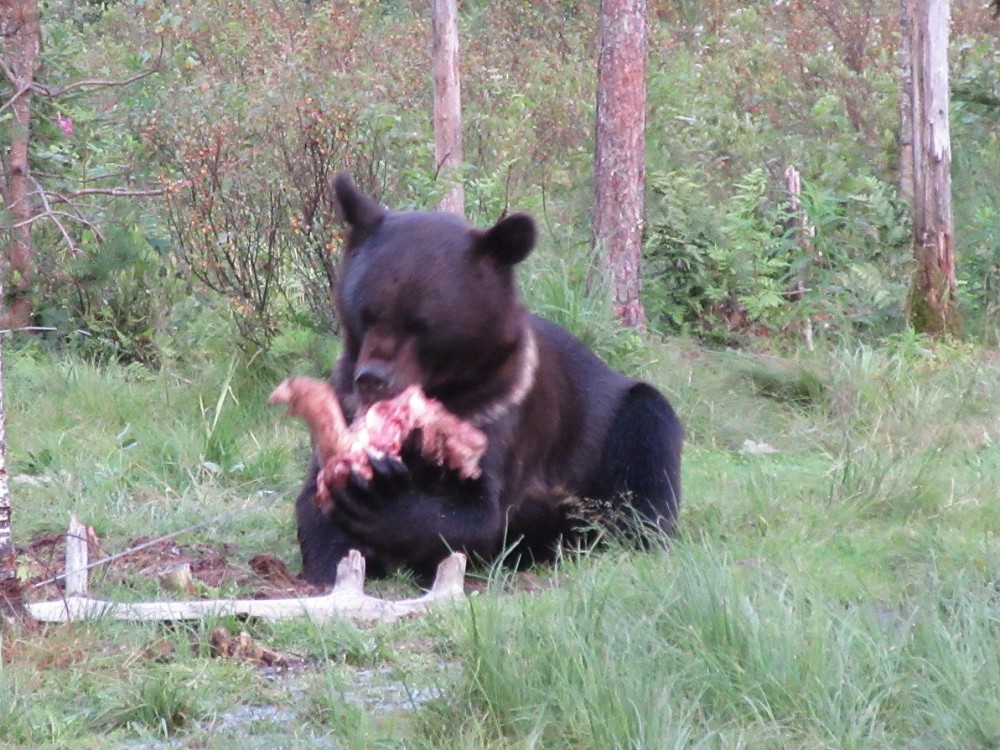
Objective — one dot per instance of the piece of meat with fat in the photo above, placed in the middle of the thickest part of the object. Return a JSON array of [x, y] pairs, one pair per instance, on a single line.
[[382, 430]]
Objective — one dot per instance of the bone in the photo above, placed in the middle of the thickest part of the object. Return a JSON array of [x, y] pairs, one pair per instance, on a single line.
[[346, 600]]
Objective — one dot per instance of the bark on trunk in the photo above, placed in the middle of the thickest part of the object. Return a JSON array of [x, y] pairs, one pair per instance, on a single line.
[[7, 570], [932, 297], [905, 105], [803, 232], [22, 41], [447, 104], [12, 612], [619, 159]]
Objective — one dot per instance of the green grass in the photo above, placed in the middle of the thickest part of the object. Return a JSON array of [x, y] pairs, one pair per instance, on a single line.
[[837, 590], [696, 649]]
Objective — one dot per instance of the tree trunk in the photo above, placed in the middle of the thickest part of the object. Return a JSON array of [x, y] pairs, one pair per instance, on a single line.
[[803, 232], [932, 296], [22, 42], [905, 105], [10, 589], [619, 158], [6, 536], [12, 611], [447, 104]]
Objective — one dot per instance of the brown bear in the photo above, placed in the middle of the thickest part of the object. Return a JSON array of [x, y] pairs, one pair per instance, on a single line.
[[425, 299]]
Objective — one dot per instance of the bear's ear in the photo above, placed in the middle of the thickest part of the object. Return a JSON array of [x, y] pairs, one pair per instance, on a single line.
[[509, 240], [357, 209]]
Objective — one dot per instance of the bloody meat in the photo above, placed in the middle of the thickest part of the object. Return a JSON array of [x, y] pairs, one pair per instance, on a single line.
[[382, 430]]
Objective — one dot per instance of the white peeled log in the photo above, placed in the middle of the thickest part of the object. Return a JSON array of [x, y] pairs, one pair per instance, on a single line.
[[346, 600]]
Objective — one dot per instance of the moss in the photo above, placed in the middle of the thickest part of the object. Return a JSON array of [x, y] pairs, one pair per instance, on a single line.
[[926, 314]]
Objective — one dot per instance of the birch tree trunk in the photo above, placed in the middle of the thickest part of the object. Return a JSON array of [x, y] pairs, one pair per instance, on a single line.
[[619, 157], [447, 103], [803, 233], [7, 570], [932, 296], [21, 35], [10, 589], [12, 611]]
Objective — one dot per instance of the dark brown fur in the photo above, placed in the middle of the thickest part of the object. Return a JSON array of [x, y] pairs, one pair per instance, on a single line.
[[426, 299]]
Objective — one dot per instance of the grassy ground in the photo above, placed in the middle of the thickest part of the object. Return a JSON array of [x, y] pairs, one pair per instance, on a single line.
[[834, 586]]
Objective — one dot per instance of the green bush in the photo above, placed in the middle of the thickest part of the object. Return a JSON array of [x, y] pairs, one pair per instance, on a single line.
[[724, 272]]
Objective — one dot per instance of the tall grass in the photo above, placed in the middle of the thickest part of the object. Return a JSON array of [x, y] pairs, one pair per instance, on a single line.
[[566, 291], [693, 649], [136, 452]]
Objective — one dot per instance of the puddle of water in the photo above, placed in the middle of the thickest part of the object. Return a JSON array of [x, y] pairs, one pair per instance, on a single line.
[[379, 689]]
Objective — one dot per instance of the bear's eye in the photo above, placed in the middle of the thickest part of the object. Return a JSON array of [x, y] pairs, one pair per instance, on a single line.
[[367, 317]]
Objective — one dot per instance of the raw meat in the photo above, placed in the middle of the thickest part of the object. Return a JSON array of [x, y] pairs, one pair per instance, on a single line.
[[382, 430]]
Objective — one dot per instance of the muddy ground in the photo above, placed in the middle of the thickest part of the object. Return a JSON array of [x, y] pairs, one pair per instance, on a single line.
[[41, 563]]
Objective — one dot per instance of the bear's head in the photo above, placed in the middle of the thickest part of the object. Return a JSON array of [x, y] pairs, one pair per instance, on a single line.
[[424, 298]]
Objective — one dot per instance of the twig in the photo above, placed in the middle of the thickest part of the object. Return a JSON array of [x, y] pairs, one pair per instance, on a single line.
[[53, 93], [21, 92], [52, 216], [45, 91], [10, 76], [115, 192], [48, 212]]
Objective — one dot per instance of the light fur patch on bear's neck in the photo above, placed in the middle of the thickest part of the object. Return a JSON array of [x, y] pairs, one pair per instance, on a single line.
[[520, 389]]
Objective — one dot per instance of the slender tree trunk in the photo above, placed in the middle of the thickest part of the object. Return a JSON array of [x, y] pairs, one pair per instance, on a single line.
[[7, 571], [11, 599], [21, 36], [447, 103], [932, 297], [619, 158], [803, 233], [12, 611], [905, 105]]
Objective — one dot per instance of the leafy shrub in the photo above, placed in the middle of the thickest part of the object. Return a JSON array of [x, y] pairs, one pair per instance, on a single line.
[[255, 219], [113, 298], [716, 276], [975, 172], [722, 271]]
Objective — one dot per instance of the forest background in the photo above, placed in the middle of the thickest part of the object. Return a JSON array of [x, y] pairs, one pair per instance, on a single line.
[[249, 110]]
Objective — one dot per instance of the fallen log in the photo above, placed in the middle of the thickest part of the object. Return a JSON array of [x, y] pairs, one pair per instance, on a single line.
[[346, 600]]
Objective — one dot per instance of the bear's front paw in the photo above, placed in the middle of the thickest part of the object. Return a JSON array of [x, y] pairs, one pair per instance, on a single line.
[[382, 477], [366, 517], [390, 477], [387, 481]]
